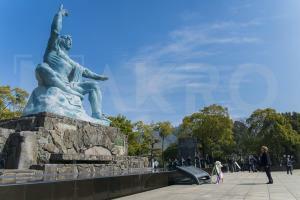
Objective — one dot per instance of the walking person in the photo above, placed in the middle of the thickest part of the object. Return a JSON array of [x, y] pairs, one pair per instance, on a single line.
[[152, 165], [266, 163], [289, 165], [156, 164], [182, 161], [230, 164], [252, 162]]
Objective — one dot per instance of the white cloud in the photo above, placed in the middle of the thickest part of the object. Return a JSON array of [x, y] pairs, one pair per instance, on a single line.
[[176, 66]]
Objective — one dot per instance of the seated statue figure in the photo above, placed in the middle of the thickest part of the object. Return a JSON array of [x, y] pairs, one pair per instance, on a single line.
[[61, 87]]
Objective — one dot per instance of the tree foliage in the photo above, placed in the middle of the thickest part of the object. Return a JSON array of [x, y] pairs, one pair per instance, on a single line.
[[145, 137], [12, 102], [213, 129], [245, 143], [217, 135], [294, 119], [139, 134], [164, 129], [126, 128], [171, 151], [273, 130]]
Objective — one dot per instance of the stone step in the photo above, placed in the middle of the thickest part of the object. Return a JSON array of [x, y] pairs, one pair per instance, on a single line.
[[12, 176]]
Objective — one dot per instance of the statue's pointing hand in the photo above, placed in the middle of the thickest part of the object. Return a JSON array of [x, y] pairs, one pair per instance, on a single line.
[[102, 78], [63, 11]]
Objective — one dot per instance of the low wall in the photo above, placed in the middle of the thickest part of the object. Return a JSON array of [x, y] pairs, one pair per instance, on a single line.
[[96, 188]]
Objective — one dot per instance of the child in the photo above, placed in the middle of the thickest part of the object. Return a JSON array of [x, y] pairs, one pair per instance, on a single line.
[[218, 171]]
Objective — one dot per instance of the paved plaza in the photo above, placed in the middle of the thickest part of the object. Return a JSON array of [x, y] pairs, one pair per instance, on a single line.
[[241, 185]]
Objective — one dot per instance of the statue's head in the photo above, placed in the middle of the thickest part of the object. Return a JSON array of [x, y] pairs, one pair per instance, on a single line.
[[65, 41]]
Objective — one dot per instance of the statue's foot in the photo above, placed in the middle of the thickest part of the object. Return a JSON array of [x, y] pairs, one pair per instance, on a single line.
[[97, 115], [101, 119]]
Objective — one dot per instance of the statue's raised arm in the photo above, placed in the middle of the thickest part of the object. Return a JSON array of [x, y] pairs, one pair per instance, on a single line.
[[56, 27]]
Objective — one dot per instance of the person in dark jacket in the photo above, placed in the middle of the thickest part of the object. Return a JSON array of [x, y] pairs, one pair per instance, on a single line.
[[266, 163], [252, 162], [289, 165]]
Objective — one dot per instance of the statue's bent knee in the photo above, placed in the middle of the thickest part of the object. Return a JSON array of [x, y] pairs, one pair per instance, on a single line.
[[44, 74], [40, 72], [94, 86], [90, 86]]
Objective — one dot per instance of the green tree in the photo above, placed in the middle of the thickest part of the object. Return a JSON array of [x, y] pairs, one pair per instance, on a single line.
[[171, 152], [145, 137], [294, 120], [273, 130], [126, 128], [164, 129], [245, 143], [186, 127], [140, 135], [12, 102], [212, 127], [240, 132]]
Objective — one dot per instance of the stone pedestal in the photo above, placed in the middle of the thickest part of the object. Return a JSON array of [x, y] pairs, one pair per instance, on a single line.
[[52, 142]]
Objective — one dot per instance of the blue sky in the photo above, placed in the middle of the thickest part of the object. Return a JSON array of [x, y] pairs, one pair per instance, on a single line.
[[166, 59]]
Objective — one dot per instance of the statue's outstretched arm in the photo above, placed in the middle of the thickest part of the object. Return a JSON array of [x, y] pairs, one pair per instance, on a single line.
[[85, 72], [89, 74]]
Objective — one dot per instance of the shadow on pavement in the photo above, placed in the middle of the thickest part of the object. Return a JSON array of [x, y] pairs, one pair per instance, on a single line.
[[252, 184]]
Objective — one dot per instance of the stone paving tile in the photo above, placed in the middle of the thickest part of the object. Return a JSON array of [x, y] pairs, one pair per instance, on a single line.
[[236, 186]]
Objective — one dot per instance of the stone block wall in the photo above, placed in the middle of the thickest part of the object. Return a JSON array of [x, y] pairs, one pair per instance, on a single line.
[[31, 140]]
